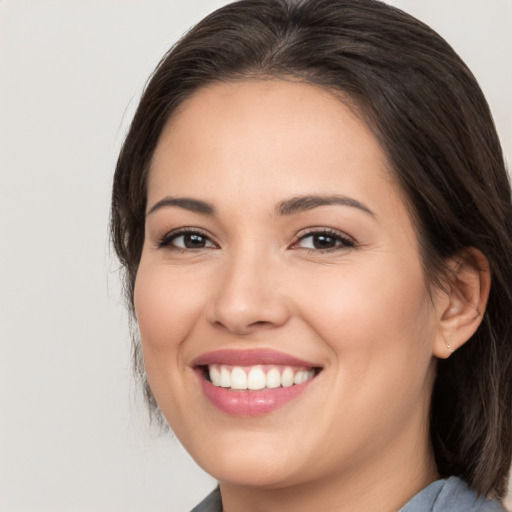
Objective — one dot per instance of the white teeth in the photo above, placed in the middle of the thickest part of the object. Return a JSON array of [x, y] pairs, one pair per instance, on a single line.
[[238, 378], [215, 376], [299, 377], [273, 378], [225, 377], [255, 378], [302, 376], [287, 378]]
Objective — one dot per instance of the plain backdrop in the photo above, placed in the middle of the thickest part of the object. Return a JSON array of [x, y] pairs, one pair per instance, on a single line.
[[74, 435]]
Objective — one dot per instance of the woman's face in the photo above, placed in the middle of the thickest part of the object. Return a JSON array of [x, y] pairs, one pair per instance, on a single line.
[[278, 250]]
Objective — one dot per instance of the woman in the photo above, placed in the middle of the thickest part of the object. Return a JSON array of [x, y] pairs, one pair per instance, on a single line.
[[310, 206]]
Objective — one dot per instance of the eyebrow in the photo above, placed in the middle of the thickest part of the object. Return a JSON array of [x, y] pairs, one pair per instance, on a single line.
[[287, 207], [193, 205], [305, 203]]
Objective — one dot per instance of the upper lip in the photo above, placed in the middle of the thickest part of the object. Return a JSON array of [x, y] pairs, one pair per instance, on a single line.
[[255, 357]]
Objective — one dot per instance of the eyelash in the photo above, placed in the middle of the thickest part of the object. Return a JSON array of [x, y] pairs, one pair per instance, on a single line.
[[342, 242], [166, 240]]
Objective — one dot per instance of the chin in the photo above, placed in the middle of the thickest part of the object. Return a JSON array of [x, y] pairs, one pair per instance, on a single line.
[[249, 463]]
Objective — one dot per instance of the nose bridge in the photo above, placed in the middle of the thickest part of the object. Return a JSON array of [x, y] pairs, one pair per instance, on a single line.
[[247, 295]]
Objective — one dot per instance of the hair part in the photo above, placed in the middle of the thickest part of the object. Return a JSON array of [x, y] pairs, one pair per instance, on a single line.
[[432, 120]]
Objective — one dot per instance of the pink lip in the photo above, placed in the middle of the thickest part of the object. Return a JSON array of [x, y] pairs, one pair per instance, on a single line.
[[250, 358], [250, 403]]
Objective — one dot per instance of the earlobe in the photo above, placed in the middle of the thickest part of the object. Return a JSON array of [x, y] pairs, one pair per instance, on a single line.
[[467, 289]]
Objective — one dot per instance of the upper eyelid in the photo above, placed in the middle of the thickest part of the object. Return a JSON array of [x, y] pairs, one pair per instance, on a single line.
[[325, 230], [185, 230], [301, 233]]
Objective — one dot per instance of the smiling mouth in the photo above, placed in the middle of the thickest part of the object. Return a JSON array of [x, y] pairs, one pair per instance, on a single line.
[[257, 377], [252, 383]]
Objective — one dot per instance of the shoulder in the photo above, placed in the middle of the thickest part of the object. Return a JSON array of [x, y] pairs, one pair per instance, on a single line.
[[212, 503], [451, 495]]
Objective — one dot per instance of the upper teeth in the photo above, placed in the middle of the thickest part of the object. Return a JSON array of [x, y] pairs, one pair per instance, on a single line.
[[257, 377]]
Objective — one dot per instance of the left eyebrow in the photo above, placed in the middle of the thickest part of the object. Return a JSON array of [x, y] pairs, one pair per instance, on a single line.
[[305, 203]]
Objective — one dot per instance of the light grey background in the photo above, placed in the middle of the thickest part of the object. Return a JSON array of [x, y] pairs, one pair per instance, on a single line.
[[73, 431]]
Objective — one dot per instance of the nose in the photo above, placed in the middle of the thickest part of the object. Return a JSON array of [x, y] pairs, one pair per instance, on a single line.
[[248, 296]]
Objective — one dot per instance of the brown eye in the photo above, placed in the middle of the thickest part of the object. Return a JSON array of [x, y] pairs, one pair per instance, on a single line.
[[186, 240], [323, 241], [192, 241], [320, 240]]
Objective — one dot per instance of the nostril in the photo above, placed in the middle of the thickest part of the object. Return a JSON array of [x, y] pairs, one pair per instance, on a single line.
[[243, 329], [260, 323]]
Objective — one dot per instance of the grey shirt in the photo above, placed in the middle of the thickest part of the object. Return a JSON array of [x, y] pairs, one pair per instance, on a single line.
[[450, 495]]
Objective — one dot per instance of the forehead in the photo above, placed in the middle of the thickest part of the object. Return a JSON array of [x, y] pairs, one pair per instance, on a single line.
[[262, 138]]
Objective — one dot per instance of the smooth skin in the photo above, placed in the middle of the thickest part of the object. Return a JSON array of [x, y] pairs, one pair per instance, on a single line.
[[353, 301]]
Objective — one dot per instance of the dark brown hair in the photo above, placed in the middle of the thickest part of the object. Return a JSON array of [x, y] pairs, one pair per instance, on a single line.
[[430, 116]]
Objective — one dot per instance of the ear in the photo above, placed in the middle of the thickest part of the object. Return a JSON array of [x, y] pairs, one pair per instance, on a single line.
[[463, 301]]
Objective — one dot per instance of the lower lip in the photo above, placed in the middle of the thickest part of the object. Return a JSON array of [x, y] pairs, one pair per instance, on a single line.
[[251, 403]]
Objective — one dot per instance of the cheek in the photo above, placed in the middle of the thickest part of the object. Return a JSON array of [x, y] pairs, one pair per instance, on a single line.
[[379, 327], [369, 315], [167, 305]]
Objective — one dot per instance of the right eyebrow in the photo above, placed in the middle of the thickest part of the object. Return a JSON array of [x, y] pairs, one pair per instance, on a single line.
[[187, 203]]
